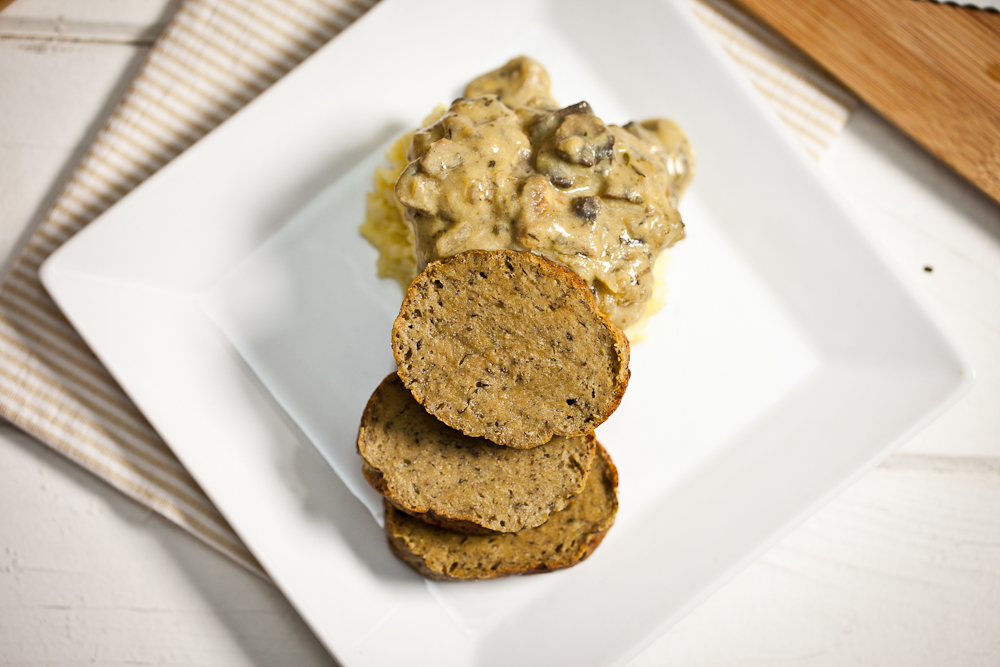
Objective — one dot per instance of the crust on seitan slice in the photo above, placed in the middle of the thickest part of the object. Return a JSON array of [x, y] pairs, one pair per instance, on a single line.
[[509, 346], [429, 469], [567, 538]]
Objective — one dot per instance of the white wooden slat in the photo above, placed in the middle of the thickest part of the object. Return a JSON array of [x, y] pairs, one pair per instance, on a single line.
[[133, 21]]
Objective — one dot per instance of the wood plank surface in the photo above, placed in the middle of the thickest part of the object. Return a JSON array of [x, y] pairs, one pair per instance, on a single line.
[[932, 69]]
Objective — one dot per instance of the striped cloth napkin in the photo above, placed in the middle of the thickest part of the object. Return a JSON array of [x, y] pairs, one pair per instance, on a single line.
[[214, 57]]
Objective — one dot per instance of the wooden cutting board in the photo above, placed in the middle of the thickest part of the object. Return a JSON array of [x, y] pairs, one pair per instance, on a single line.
[[932, 69]]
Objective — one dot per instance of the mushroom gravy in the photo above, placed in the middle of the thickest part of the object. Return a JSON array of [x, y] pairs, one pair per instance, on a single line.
[[506, 167]]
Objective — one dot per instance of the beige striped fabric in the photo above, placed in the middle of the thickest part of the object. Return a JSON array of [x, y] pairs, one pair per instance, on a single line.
[[213, 58]]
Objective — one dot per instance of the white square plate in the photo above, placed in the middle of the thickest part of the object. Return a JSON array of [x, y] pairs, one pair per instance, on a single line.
[[234, 300]]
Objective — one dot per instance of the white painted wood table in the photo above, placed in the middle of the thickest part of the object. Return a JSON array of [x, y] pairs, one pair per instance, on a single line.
[[902, 569]]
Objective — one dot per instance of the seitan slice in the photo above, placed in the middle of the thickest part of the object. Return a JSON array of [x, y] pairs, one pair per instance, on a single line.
[[567, 538], [509, 346], [429, 469]]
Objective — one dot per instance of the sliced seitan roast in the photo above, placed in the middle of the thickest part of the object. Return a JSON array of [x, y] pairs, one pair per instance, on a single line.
[[509, 346], [567, 538], [429, 469]]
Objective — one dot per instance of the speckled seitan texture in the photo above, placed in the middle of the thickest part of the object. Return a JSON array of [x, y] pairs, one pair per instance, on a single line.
[[567, 538], [429, 469], [509, 346]]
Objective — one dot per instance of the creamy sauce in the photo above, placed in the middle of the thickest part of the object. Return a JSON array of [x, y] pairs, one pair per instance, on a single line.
[[506, 167]]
